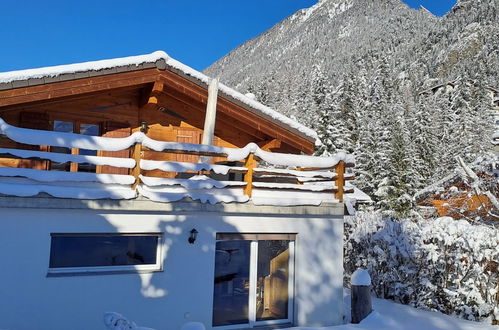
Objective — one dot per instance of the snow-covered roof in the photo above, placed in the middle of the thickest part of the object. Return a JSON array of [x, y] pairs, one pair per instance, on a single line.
[[158, 59]]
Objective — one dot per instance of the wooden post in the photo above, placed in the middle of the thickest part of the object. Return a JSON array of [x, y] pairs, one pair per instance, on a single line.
[[340, 180], [361, 295], [248, 177], [361, 302], [137, 155]]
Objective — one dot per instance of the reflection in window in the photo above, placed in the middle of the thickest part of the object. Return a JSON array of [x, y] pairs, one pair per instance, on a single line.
[[67, 127], [93, 130], [97, 250], [231, 288], [253, 279], [272, 280], [70, 127]]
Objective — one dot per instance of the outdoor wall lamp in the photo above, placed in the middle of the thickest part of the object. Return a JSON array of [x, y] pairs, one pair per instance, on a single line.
[[143, 127], [193, 236]]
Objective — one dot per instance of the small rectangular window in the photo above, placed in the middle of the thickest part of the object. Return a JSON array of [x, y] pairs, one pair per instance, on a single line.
[[75, 253]]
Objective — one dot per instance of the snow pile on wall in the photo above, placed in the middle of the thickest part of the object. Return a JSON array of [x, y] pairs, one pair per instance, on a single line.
[[442, 265]]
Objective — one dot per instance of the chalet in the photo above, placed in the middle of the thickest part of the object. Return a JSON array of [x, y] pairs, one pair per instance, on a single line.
[[466, 193], [116, 194]]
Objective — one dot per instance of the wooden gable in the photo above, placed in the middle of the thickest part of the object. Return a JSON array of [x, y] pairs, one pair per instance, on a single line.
[[164, 99]]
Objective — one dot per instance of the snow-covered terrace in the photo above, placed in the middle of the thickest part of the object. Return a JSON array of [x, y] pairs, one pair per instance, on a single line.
[[285, 179]]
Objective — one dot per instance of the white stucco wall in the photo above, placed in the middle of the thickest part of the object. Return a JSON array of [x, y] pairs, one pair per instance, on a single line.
[[181, 293]]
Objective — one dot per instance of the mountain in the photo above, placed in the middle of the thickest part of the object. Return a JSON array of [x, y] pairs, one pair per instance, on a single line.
[[403, 90]]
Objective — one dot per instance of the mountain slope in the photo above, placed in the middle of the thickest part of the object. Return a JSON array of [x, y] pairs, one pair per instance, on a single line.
[[331, 36], [403, 90]]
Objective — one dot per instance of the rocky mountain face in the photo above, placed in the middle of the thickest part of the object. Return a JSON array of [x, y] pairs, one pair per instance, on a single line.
[[403, 90]]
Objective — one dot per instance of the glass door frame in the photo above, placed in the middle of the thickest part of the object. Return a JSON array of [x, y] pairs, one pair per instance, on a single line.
[[253, 277]]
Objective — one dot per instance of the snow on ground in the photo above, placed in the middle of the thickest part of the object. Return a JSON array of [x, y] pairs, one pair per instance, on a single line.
[[388, 315]]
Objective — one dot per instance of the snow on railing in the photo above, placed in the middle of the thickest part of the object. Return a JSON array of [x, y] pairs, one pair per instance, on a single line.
[[242, 176]]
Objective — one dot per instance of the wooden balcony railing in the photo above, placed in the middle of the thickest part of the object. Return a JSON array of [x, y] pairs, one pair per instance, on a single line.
[[245, 173]]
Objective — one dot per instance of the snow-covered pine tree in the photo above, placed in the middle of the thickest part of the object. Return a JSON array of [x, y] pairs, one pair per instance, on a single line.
[[396, 190]]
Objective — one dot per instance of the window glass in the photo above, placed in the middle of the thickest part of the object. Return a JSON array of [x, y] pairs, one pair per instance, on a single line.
[[231, 288], [88, 129], [97, 250], [272, 280], [61, 126], [253, 278]]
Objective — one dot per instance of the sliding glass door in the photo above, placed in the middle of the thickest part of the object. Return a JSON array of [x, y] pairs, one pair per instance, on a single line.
[[231, 287], [253, 279]]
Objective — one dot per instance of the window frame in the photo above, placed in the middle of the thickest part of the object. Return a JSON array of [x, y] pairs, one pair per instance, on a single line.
[[253, 274], [119, 269], [76, 124]]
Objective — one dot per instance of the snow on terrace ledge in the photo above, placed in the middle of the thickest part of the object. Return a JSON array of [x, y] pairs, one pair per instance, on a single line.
[[162, 61], [298, 179]]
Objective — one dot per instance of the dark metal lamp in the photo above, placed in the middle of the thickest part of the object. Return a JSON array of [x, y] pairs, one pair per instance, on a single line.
[[193, 236]]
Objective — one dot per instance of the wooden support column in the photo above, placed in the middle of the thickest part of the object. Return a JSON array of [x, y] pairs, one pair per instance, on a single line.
[[137, 155], [248, 177], [340, 180]]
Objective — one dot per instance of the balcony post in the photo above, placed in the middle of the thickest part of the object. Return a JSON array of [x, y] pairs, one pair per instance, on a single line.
[[248, 177], [137, 154], [340, 180]]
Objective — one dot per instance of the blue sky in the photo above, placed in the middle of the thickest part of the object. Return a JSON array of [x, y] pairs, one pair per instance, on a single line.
[[38, 33]]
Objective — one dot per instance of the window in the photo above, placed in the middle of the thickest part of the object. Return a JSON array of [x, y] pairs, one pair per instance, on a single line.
[[79, 253], [67, 127], [71, 127], [93, 130], [253, 279]]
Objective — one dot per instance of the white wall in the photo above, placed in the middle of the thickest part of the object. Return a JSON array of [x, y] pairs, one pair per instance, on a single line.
[[161, 300]]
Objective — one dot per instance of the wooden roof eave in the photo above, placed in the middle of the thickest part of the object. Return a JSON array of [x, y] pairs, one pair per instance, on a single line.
[[71, 88], [88, 83]]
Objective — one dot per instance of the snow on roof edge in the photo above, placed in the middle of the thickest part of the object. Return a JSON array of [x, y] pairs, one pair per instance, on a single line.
[[54, 71]]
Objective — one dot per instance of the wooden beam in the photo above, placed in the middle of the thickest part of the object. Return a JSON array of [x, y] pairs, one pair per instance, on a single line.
[[193, 112], [267, 145], [233, 110], [340, 180], [152, 99], [248, 177], [65, 89], [324, 168], [197, 108], [186, 152], [137, 155]]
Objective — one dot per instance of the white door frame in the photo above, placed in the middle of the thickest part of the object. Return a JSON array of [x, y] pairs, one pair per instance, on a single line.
[[253, 274]]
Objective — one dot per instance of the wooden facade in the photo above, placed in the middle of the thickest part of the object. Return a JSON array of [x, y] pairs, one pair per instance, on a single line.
[[171, 105]]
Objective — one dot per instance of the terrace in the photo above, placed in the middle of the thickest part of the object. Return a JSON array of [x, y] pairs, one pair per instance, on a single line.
[[165, 171]]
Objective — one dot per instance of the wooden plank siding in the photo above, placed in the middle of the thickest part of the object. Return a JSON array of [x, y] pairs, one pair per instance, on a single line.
[[172, 105]]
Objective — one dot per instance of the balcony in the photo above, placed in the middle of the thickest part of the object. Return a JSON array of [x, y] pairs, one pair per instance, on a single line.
[[165, 171]]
